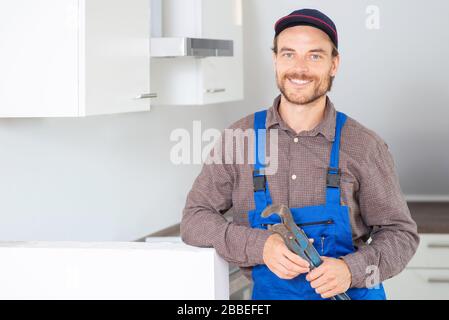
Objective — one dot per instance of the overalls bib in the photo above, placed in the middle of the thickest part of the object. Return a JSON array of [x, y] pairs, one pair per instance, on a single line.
[[327, 224]]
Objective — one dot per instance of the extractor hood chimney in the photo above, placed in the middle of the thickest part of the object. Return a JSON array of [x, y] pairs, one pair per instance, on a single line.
[[171, 38]]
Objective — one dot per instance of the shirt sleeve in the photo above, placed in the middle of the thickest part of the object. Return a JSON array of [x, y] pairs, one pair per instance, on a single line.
[[203, 224], [384, 210]]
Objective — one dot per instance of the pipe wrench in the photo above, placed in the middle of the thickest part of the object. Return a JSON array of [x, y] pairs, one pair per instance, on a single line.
[[296, 239]]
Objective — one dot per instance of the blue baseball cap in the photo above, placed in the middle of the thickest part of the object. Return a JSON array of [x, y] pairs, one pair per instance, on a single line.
[[308, 17]]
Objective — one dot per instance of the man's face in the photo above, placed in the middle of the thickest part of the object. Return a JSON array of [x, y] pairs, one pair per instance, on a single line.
[[304, 64]]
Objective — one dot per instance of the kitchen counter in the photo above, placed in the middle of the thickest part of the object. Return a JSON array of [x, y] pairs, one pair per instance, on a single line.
[[431, 217]]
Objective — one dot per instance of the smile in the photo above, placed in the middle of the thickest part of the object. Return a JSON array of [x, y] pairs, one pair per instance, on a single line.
[[298, 82]]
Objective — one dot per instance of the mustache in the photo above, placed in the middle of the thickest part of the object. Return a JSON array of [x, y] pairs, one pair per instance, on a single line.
[[299, 76]]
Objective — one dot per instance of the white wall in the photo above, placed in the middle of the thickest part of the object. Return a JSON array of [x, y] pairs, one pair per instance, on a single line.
[[97, 178], [110, 178], [393, 80]]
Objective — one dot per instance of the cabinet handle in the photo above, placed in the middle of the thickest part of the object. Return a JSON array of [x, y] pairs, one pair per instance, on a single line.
[[215, 90], [438, 280], [146, 96], [438, 245]]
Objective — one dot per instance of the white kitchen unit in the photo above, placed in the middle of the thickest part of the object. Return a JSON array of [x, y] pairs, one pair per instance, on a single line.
[[111, 270], [427, 274], [70, 58], [197, 80]]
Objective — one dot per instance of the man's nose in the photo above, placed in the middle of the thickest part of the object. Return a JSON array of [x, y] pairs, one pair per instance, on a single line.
[[300, 64]]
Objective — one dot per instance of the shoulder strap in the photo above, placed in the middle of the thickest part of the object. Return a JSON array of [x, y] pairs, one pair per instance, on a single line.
[[333, 172], [262, 196]]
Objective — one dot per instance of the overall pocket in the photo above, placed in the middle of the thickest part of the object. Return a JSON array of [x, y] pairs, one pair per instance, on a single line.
[[320, 232], [323, 234]]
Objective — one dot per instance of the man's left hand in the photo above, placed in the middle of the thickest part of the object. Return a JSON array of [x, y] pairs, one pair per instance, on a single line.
[[330, 278]]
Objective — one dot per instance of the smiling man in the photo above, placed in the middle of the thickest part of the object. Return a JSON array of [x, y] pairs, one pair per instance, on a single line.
[[337, 176]]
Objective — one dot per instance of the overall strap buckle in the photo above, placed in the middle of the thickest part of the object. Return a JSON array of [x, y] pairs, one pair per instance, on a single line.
[[259, 180], [333, 177]]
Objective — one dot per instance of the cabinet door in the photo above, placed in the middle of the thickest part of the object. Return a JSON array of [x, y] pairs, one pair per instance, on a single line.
[[174, 81], [38, 58], [419, 284], [216, 79], [221, 78], [115, 56], [433, 252]]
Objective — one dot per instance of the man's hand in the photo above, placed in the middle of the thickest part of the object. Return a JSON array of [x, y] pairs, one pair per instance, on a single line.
[[331, 278], [281, 261]]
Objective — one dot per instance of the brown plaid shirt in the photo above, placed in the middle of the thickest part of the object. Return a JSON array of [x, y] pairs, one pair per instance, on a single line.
[[369, 187]]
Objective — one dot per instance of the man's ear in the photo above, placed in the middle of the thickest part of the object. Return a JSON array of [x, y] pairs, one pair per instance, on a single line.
[[274, 56], [335, 65]]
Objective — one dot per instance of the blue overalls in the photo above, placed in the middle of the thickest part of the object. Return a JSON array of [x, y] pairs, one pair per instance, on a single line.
[[327, 224]]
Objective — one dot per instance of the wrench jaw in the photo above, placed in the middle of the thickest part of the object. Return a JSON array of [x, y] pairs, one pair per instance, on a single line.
[[288, 224], [280, 229], [281, 210]]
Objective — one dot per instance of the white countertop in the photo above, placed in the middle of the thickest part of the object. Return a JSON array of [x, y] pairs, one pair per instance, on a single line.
[[164, 268]]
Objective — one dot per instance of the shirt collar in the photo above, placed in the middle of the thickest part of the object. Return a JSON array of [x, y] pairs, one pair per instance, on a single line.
[[326, 127]]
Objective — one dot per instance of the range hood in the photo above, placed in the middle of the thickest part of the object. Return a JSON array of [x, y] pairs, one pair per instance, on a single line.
[[165, 47]]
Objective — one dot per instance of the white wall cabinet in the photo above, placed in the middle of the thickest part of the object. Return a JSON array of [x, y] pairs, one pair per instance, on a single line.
[[427, 274], [193, 80], [73, 57]]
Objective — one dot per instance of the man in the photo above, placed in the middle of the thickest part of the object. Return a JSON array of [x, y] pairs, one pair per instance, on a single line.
[[337, 177]]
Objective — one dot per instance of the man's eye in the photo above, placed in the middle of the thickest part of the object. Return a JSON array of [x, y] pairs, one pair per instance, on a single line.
[[288, 55], [315, 57]]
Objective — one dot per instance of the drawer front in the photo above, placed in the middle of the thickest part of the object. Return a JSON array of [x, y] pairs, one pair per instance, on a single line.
[[433, 252], [419, 284]]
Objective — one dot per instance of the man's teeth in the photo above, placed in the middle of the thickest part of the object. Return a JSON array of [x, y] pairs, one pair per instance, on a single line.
[[297, 81]]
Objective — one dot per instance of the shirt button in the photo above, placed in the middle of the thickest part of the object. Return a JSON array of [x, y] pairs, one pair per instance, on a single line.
[[296, 140], [294, 177]]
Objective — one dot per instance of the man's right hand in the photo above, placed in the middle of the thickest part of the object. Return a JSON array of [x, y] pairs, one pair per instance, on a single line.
[[281, 261]]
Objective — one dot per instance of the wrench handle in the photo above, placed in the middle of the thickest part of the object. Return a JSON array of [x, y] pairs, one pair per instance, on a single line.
[[294, 246]]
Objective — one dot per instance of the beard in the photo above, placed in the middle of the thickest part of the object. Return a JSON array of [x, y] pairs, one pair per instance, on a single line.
[[304, 95]]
